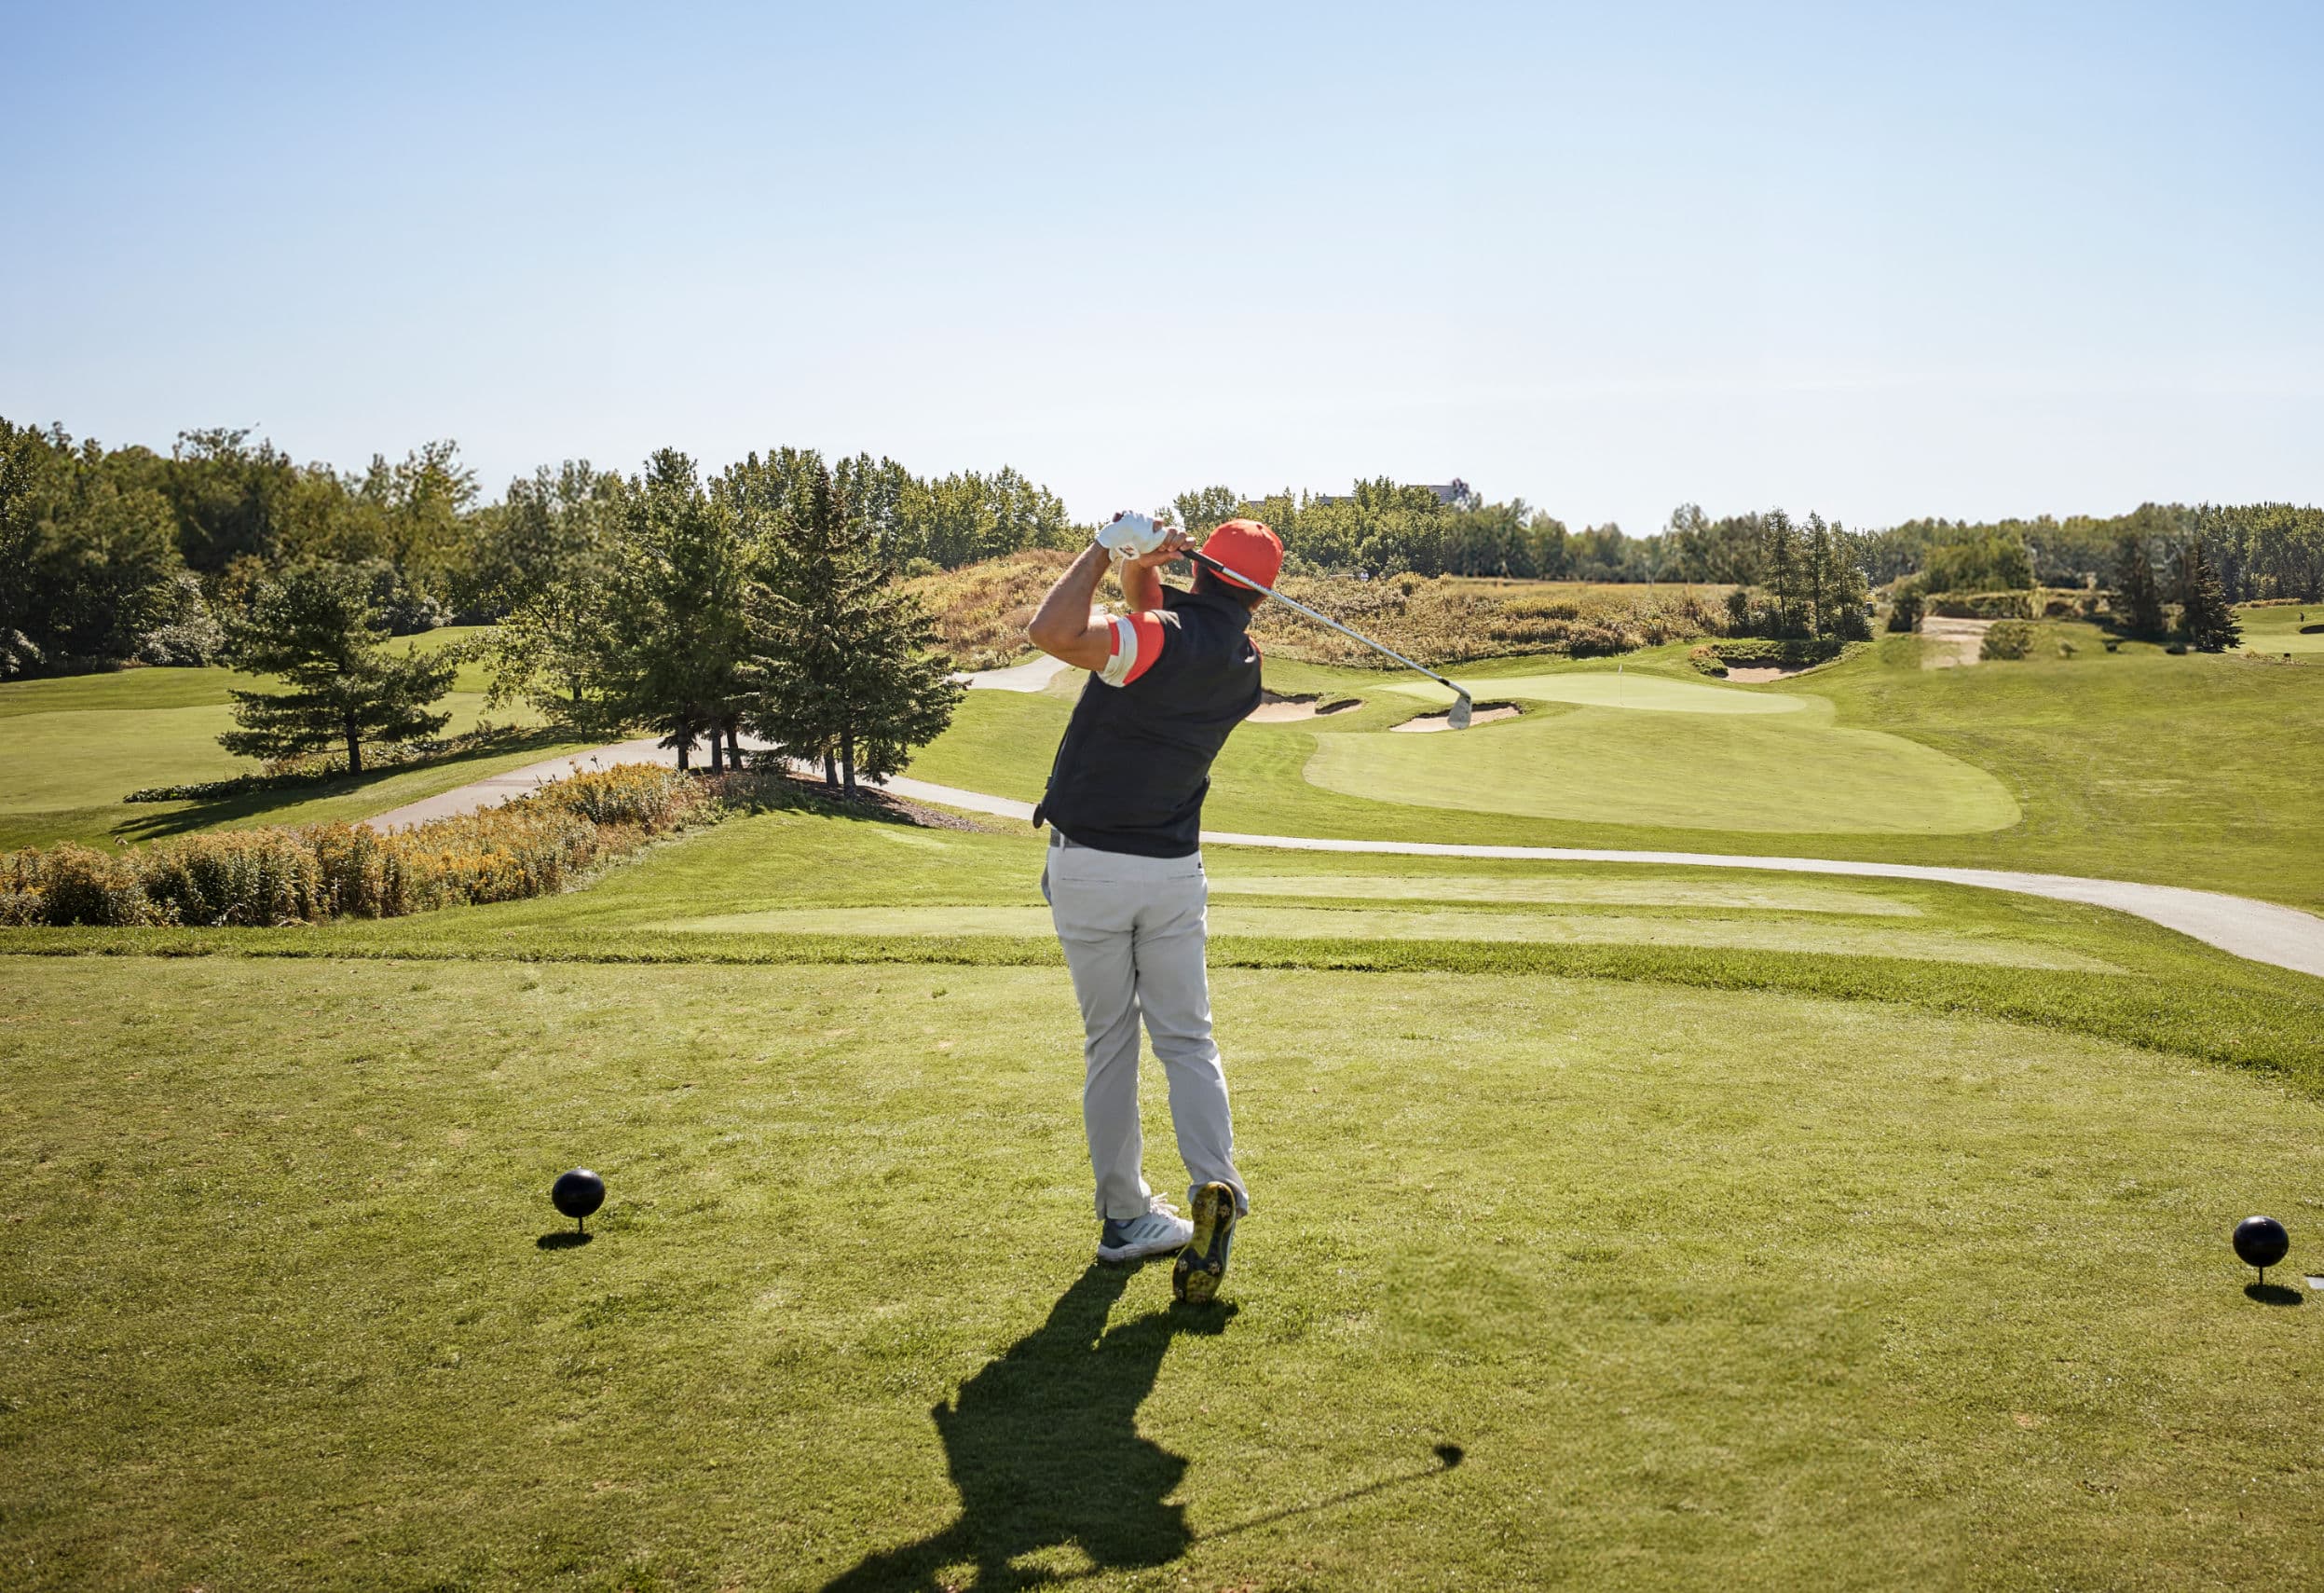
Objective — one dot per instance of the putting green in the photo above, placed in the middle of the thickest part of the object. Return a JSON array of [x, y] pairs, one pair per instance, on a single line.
[[1818, 935], [2283, 628], [1607, 689], [1796, 773]]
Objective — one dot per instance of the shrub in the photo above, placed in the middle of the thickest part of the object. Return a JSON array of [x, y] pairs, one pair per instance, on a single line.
[[1708, 660], [2006, 639], [1982, 605], [77, 884], [1761, 653], [1905, 609], [18, 655], [630, 793], [186, 635], [276, 876], [261, 877]]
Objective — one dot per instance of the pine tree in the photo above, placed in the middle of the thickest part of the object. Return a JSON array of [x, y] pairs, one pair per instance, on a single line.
[[2138, 599], [1850, 597], [838, 664], [2204, 615], [317, 627], [1780, 566], [670, 636], [1823, 578]]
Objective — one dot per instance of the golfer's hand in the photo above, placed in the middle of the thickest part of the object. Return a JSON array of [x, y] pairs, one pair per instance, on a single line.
[[1175, 544]]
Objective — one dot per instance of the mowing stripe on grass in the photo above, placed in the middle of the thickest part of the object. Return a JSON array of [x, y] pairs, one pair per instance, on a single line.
[[1779, 933], [2271, 1024]]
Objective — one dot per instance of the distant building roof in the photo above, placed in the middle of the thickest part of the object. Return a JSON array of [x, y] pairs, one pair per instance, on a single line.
[[1452, 491]]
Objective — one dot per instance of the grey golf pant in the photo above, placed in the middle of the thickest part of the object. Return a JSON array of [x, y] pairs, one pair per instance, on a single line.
[[1133, 931]]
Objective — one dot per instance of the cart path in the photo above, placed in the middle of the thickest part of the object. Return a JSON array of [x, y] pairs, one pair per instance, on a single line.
[[2261, 931]]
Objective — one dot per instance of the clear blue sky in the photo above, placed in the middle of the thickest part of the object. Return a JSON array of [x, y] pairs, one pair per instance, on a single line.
[[1874, 260]]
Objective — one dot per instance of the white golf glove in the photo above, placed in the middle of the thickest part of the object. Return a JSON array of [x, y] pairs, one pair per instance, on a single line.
[[1131, 536]]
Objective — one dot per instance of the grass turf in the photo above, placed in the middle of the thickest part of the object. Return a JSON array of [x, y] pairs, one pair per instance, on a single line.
[[2283, 627], [1709, 1286], [2133, 766], [1623, 922], [71, 747]]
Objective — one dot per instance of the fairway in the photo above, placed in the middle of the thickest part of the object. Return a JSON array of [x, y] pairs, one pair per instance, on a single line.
[[72, 745], [2134, 764], [1707, 1279], [1760, 775], [1451, 924]]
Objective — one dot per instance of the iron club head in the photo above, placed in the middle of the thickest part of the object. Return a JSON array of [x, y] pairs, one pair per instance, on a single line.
[[1462, 706]]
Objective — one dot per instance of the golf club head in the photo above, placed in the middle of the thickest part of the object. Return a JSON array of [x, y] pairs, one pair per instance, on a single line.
[[1462, 706]]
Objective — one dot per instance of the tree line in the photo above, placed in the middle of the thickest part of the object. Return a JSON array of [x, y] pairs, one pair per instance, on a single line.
[[111, 554], [2257, 551], [1381, 527], [749, 604]]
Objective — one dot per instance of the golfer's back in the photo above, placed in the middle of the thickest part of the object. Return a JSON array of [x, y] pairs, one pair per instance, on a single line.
[[1134, 763]]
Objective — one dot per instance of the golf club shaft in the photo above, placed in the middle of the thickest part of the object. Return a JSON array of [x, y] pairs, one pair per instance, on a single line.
[[1216, 567]]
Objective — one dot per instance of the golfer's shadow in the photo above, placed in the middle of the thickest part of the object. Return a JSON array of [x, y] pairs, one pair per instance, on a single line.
[[1044, 1449]]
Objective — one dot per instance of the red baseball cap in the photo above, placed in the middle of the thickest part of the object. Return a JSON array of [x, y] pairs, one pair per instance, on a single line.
[[1247, 548]]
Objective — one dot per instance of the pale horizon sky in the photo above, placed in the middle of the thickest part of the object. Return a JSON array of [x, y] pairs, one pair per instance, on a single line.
[[1877, 261]]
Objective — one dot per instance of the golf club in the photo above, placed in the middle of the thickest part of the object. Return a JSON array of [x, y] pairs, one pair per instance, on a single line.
[[1462, 708]]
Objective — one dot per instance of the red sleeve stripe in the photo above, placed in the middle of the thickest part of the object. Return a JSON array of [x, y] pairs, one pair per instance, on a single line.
[[1146, 632]]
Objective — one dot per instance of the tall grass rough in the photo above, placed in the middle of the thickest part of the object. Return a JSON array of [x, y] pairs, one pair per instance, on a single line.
[[276, 876]]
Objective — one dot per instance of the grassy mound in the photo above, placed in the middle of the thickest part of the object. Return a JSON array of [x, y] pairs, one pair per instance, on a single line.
[[981, 611]]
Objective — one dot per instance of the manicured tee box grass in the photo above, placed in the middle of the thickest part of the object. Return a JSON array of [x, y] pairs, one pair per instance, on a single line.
[[71, 747], [1710, 1289]]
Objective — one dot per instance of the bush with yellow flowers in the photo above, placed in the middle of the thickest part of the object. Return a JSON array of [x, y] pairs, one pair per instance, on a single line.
[[310, 874]]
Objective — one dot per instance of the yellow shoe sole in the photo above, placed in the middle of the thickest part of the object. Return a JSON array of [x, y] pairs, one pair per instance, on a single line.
[[1195, 1279]]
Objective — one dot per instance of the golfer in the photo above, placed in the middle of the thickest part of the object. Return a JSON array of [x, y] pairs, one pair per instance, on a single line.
[[1168, 681]]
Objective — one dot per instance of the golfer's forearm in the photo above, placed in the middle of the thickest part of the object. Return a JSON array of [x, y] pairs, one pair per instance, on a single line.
[[1141, 587], [1063, 618]]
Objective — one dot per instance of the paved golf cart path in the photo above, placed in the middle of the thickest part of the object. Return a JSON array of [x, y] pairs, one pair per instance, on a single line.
[[2259, 930]]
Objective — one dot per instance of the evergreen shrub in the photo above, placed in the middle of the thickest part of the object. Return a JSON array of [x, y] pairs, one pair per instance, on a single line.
[[2007, 639]]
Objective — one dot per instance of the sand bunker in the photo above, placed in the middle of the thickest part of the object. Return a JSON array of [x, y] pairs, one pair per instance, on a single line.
[[1952, 644], [1759, 675], [1277, 709], [1485, 714]]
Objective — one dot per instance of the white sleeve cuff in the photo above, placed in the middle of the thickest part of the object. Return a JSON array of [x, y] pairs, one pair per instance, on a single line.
[[1118, 667]]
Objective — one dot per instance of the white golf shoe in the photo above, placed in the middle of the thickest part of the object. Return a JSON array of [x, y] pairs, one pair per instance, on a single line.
[[1158, 1232]]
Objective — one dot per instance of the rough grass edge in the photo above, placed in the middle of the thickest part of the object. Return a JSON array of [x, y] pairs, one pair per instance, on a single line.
[[2278, 1032]]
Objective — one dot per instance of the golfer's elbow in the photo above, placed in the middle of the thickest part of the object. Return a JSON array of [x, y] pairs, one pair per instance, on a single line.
[[1060, 636], [1084, 645]]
